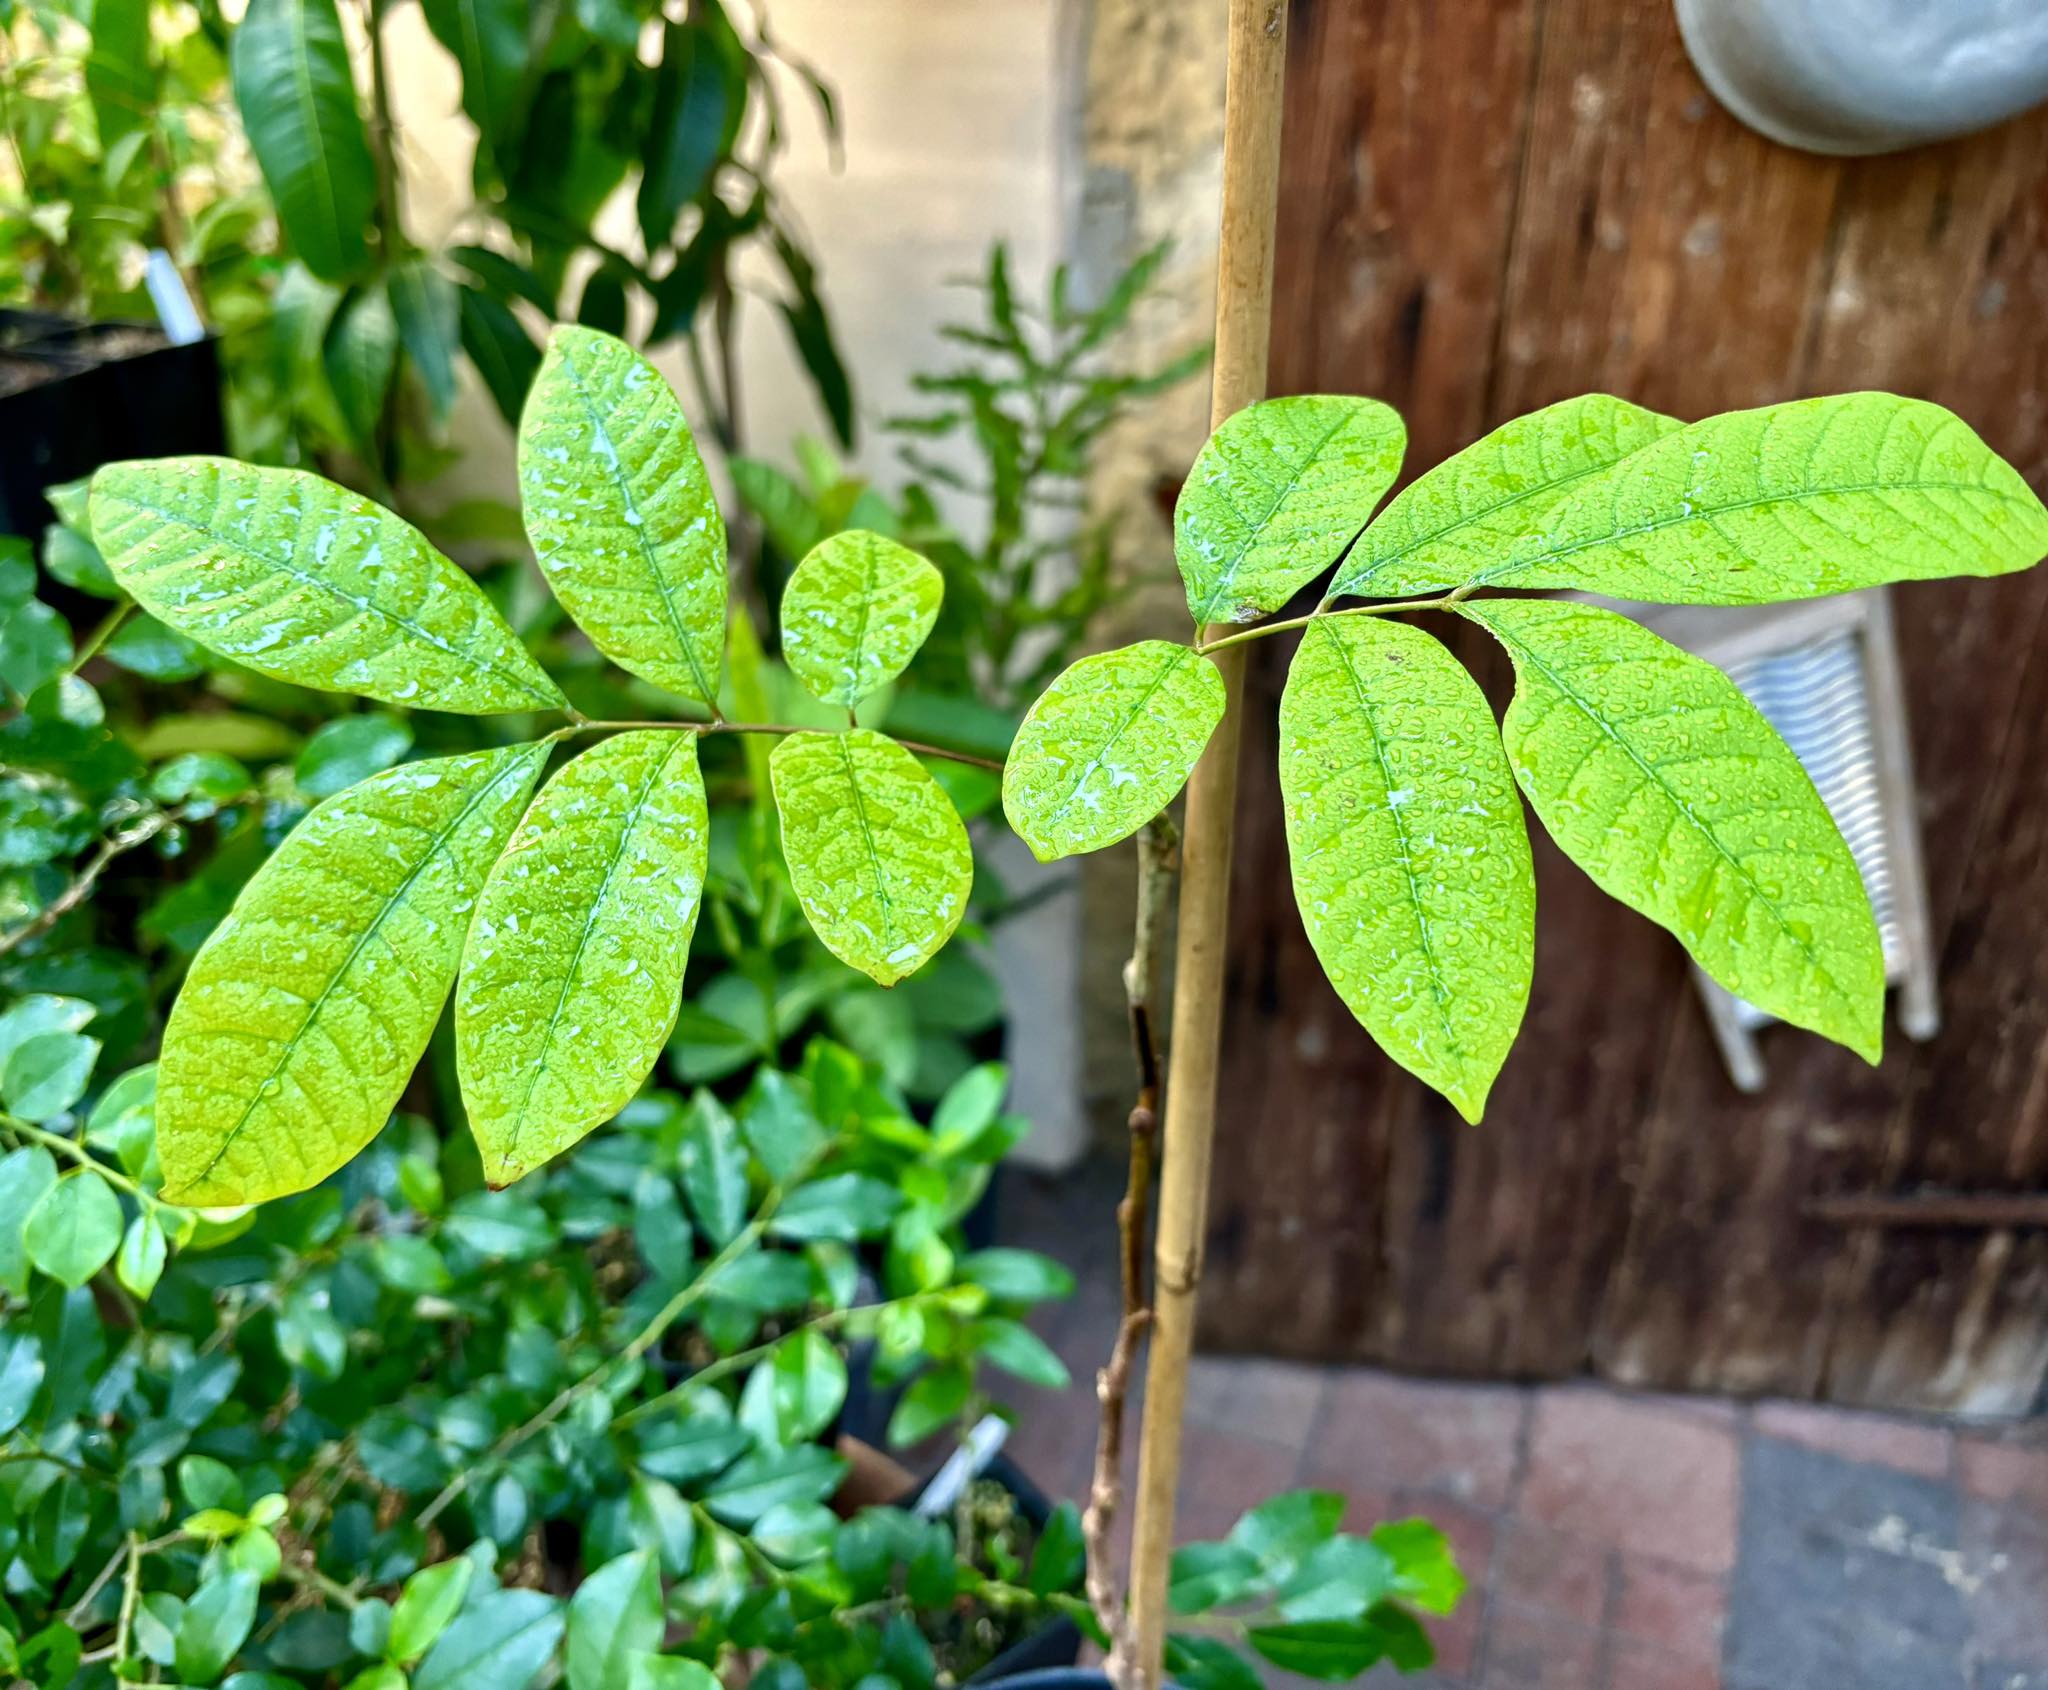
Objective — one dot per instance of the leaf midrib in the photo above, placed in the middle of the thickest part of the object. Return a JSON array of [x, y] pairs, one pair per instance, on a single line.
[[319, 1003], [240, 543], [867, 834], [1167, 670], [706, 692]]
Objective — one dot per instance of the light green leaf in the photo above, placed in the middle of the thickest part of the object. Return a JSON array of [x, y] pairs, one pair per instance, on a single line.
[[431, 1598], [714, 1168], [118, 76], [1789, 502], [500, 1642], [73, 1232], [793, 1395], [46, 1074], [1108, 744], [305, 581], [614, 1616], [1461, 518], [1669, 788], [215, 1623], [855, 612], [304, 1015], [621, 512], [140, 1263], [1405, 838], [26, 1175], [1277, 493], [876, 853], [574, 967], [298, 103]]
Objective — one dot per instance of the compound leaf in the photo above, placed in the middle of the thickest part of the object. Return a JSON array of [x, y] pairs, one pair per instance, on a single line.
[[297, 98], [304, 1015], [855, 612], [299, 579], [621, 512], [1108, 744], [1276, 494], [573, 970], [1410, 861], [876, 852], [1461, 518], [1789, 502], [1668, 787]]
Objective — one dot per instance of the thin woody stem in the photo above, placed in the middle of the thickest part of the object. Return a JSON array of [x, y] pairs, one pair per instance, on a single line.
[[584, 725], [1158, 864], [1322, 613]]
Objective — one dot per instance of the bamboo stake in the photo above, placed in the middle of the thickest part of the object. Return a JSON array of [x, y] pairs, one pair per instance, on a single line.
[[1256, 66]]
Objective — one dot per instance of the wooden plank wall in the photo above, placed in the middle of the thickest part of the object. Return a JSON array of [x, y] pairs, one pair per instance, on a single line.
[[1491, 205]]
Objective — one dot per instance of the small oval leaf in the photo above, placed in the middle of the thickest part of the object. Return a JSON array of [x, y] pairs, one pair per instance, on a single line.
[[1410, 861], [1668, 787], [306, 1012], [1108, 744], [1450, 525], [854, 614], [621, 512], [876, 851], [299, 579], [1789, 502], [1276, 495], [573, 971]]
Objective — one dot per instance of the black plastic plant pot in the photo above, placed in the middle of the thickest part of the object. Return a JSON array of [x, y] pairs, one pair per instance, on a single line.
[[1049, 1653], [1043, 1678], [74, 396]]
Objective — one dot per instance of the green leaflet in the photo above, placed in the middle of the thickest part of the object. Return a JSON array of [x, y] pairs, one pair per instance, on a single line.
[[306, 1012], [1449, 526], [1276, 495], [297, 578], [489, 41], [1409, 857], [854, 614], [298, 104], [1105, 748], [573, 971], [876, 853], [621, 512], [118, 75], [1666, 785], [1789, 502]]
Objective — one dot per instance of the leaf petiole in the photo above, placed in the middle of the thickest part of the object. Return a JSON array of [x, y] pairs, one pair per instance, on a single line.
[[1393, 607]]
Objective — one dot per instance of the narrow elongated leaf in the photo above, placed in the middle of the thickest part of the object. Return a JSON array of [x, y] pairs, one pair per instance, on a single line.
[[876, 852], [117, 71], [297, 578], [360, 355], [1276, 495], [1410, 861], [1789, 502], [306, 1012], [424, 305], [699, 97], [298, 103], [500, 348], [1108, 744], [854, 614], [1669, 788], [621, 512], [573, 971], [489, 41], [1463, 517]]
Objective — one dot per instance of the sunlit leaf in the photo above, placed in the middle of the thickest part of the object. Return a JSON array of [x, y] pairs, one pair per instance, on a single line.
[[854, 614], [621, 512], [1464, 516], [1276, 495], [1789, 502], [1669, 788], [573, 971], [304, 1015], [1108, 745], [877, 855], [303, 580], [1410, 862]]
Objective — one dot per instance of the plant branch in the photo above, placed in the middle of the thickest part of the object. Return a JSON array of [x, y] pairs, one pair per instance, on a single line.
[[102, 632], [71, 1148], [585, 725], [1393, 607], [1158, 865], [641, 1342]]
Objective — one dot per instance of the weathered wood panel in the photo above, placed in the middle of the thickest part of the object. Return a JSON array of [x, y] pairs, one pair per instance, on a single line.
[[1490, 206]]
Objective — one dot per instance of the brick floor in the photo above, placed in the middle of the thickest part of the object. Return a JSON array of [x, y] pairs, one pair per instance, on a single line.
[[1613, 1541]]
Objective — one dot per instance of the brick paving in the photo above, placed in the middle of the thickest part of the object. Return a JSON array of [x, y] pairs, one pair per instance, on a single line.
[[1614, 1541]]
